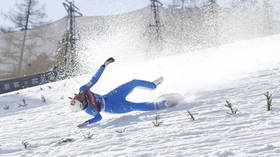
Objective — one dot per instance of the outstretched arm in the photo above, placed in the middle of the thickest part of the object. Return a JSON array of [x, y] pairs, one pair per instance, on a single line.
[[93, 80], [97, 75], [90, 121], [97, 117]]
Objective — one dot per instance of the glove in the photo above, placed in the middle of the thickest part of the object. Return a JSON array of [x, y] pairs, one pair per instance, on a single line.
[[108, 61], [82, 125]]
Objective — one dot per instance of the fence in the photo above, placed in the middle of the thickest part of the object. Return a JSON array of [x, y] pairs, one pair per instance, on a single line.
[[28, 81]]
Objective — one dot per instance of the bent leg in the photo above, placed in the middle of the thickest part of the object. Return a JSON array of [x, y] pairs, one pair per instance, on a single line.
[[143, 83], [116, 102], [126, 88], [139, 83]]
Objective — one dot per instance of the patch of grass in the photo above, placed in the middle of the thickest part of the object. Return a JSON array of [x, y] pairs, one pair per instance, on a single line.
[[25, 144], [191, 115], [157, 123], [23, 103], [121, 131], [268, 101], [43, 99], [89, 135], [66, 140], [6, 107], [229, 105]]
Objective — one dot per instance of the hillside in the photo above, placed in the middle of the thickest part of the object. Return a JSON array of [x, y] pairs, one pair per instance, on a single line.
[[241, 73], [184, 31]]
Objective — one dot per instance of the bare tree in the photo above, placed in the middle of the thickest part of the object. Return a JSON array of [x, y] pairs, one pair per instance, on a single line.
[[26, 15]]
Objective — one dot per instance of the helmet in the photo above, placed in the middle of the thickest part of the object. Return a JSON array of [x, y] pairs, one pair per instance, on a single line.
[[79, 102], [76, 105]]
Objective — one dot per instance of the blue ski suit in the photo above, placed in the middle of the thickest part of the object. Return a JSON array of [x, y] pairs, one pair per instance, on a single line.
[[114, 101]]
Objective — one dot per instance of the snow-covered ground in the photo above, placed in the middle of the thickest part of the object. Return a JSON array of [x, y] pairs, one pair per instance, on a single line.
[[240, 73]]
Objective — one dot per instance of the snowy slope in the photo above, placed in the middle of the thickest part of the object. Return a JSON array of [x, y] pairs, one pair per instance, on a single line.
[[240, 72], [111, 28]]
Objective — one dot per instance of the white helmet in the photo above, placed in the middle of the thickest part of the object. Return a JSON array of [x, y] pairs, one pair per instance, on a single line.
[[76, 105]]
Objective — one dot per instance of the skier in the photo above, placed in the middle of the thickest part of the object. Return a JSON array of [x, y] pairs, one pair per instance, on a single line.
[[114, 101]]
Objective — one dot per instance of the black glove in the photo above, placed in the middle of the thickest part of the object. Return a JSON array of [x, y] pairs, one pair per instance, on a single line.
[[108, 61], [82, 125]]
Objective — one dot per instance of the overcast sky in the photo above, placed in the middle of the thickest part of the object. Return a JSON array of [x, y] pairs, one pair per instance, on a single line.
[[55, 9]]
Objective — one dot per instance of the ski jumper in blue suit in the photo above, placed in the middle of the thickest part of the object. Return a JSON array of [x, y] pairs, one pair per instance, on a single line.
[[114, 101]]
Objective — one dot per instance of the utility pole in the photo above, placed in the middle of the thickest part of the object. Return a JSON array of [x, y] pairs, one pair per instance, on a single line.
[[155, 9], [72, 35]]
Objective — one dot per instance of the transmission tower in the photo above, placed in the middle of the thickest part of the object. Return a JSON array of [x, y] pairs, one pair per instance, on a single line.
[[72, 35], [212, 4], [155, 8], [183, 4], [213, 22]]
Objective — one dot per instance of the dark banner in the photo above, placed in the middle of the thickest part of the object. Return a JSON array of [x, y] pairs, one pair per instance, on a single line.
[[28, 81]]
